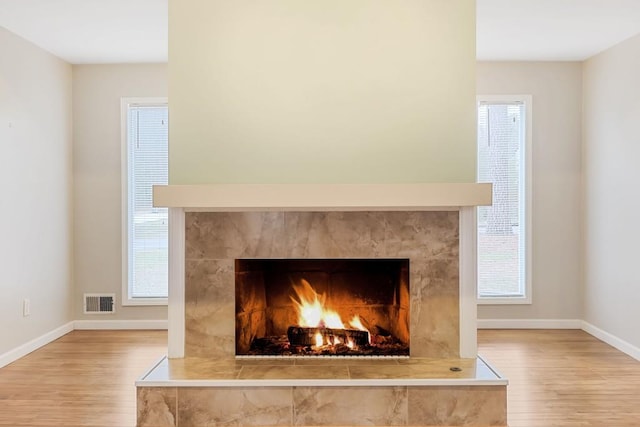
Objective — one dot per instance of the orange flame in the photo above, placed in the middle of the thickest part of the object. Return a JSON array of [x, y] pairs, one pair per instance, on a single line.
[[357, 324], [311, 310], [312, 313]]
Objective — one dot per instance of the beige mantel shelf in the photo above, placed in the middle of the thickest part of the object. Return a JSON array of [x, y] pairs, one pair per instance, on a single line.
[[322, 197]]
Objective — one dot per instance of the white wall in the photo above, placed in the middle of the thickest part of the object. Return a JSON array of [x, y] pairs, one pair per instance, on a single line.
[[322, 91], [557, 102], [611, 154], [35, 176], [97, 90]]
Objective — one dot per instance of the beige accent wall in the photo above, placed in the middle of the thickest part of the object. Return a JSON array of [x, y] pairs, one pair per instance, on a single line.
[[35, 174], [97, 90], [322, 91], [556, 88], [611, 203]]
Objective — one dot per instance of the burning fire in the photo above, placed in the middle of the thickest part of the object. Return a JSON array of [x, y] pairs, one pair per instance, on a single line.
[[319, 340], [312, 313]]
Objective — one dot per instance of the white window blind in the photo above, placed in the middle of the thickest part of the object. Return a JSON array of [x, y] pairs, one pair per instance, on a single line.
[[147, 226], [502, 227]]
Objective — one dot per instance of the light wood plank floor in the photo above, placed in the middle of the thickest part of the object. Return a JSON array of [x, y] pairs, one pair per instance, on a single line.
[[557, 378], [85, 378], [564, 378]]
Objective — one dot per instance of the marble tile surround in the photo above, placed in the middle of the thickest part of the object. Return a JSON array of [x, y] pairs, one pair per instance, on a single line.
[[215, 239]]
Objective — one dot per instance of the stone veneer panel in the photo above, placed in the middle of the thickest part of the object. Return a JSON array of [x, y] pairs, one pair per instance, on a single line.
[[334, 234], [472, 406], [458, 406], [199, 407], [429, 239], [230, 235], [209, 308], [157, 406], [355, 406]]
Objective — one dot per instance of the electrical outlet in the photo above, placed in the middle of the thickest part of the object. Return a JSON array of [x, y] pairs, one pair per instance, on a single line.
[[26, 307]]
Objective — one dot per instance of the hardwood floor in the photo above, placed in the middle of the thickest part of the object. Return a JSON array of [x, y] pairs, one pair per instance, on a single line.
[[557, 378], [85, 378], [564, 378]]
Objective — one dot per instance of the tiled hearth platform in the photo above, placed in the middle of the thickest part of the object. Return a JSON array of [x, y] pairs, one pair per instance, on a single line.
[[321, 392]]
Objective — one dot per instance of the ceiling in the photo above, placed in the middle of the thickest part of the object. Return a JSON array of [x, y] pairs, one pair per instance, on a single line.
[[92, 31], [553, 30], [123, 31]]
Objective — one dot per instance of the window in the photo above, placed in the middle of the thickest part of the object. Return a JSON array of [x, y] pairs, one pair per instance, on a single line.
[[145, 228], [504, 157]]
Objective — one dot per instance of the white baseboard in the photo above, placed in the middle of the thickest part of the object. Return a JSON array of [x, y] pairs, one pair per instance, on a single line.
[[604, 336], [529, 324], [120, 324], [612, 340], [26, 348]]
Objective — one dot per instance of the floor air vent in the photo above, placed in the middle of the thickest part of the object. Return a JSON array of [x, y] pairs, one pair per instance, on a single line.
[[99, 303]]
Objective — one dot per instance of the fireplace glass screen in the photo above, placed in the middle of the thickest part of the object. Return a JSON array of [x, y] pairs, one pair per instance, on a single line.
[[322, 307]]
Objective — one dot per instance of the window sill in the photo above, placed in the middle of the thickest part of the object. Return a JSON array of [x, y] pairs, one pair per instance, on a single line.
[[145, 301], [504, 300]]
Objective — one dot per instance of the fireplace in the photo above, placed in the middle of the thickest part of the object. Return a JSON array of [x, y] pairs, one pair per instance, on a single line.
[[223, 233], [322, 307]]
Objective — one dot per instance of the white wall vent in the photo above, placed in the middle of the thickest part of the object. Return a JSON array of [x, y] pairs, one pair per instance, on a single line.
[[99, 303]]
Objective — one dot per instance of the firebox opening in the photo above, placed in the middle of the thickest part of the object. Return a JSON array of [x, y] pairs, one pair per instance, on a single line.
[[322, 307]]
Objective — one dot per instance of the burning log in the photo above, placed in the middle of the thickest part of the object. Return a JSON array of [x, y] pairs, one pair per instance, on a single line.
[[280, 346], [319, 336]]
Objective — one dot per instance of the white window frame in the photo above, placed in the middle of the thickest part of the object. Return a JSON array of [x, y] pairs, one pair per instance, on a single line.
[[126, 299], [528, 189]]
